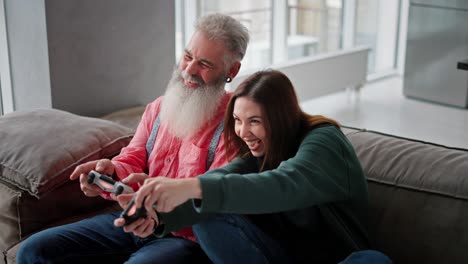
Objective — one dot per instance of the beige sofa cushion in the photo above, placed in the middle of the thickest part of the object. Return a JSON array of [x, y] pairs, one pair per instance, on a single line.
[[418, 194], [38, 151]]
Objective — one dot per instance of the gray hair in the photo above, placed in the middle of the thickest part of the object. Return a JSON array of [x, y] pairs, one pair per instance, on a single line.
[[231, 32]]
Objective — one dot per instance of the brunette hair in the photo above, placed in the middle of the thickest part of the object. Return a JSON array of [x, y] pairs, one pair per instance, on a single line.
[[285, 122]]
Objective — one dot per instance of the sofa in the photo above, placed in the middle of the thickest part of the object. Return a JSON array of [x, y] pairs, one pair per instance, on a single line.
[[418, 190]]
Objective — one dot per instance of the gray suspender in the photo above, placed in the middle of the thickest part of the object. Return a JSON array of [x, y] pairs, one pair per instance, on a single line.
[[213, 144], [211, 150], [152, 137]]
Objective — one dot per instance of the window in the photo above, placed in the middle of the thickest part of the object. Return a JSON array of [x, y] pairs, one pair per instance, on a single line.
[[256, 16], [314, 27], [283, 30], [377, 26]]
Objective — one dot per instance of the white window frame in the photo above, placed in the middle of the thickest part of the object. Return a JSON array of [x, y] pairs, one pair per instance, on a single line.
[[187, 12], [349, 22], [387, 35], [385, 30], [190, 11], [402, 36], [6, 90], [279, 36]]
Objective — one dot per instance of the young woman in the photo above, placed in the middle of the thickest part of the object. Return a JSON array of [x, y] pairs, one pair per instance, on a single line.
[[296, 194]]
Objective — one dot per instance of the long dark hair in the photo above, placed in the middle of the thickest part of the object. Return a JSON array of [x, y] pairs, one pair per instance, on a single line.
[[285, 123]]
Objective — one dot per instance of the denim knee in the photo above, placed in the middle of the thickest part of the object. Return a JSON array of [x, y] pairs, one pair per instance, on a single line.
[[215, 224], [202, 229], [367, 257], [31, 250], [218, 236]]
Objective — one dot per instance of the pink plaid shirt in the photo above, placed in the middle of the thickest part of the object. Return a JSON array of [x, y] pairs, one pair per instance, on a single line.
[[171, 157]]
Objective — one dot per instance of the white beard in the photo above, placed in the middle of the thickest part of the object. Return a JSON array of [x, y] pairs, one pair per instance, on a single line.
[[185, 110]]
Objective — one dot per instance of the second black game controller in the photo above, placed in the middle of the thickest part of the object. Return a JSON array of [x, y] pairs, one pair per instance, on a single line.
[[132, 213]]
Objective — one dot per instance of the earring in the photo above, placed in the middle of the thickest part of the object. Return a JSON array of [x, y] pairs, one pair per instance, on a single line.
[[228, 79]]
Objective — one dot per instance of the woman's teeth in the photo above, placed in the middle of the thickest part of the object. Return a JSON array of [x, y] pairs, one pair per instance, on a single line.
[[252, 144]]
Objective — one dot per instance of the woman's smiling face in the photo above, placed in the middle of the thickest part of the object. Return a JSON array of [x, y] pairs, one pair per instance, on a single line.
[[249, 125]]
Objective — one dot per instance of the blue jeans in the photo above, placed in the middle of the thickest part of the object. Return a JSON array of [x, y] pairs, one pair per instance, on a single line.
[[228, 238], [367, 257], [98, 238]]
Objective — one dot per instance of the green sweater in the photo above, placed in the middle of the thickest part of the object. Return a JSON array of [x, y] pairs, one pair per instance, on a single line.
[[320, 194]]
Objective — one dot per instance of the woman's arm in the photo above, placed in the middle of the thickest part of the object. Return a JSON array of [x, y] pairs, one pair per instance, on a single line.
[[173, 198], [323, 171]]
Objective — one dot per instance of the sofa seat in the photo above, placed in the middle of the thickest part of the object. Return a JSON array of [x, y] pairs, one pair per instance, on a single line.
[[418, 193]]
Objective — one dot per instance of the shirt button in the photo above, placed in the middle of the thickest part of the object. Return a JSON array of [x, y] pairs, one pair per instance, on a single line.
[[168, 160]]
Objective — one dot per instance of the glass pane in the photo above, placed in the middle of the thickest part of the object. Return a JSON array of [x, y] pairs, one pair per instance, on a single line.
[[366, 28], [256, 16], [315, 26], [377, 27]]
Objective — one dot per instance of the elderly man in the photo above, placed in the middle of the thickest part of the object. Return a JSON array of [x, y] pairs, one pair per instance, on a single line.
[[178, 137]]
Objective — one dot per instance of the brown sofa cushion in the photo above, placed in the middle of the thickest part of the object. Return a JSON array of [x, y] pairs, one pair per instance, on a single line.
[[38, 151], [418, 195], [129, 117]]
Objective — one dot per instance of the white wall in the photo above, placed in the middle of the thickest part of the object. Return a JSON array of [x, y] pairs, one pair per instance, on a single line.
[[88, 57], [27, 52], [109, 54]]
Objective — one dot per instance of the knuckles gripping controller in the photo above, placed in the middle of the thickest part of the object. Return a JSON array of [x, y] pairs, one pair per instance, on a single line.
[[132, 213], [108, 184]]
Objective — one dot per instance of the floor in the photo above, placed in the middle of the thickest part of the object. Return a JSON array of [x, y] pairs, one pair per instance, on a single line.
[[381, 106]]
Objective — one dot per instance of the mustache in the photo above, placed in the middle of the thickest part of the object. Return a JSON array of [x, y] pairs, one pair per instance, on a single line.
[[192, 78]]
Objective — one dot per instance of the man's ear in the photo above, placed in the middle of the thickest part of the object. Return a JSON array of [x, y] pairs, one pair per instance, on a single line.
[[234, 70]]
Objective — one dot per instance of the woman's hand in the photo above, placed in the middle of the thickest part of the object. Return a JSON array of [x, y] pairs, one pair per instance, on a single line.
[[142, 227], [167, 193]]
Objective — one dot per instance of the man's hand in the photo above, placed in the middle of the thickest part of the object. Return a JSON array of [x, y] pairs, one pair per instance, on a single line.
[[138, 178], [167, 193], [142, 227], [103, 166], [124, 199]]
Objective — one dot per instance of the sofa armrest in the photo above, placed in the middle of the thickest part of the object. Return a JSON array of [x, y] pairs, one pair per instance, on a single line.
[[38, 151]]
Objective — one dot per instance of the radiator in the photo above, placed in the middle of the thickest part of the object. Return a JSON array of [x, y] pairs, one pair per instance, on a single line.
[[322, 74]]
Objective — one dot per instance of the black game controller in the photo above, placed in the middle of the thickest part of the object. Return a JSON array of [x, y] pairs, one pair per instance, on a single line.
[[108, 184], [132, 213]]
